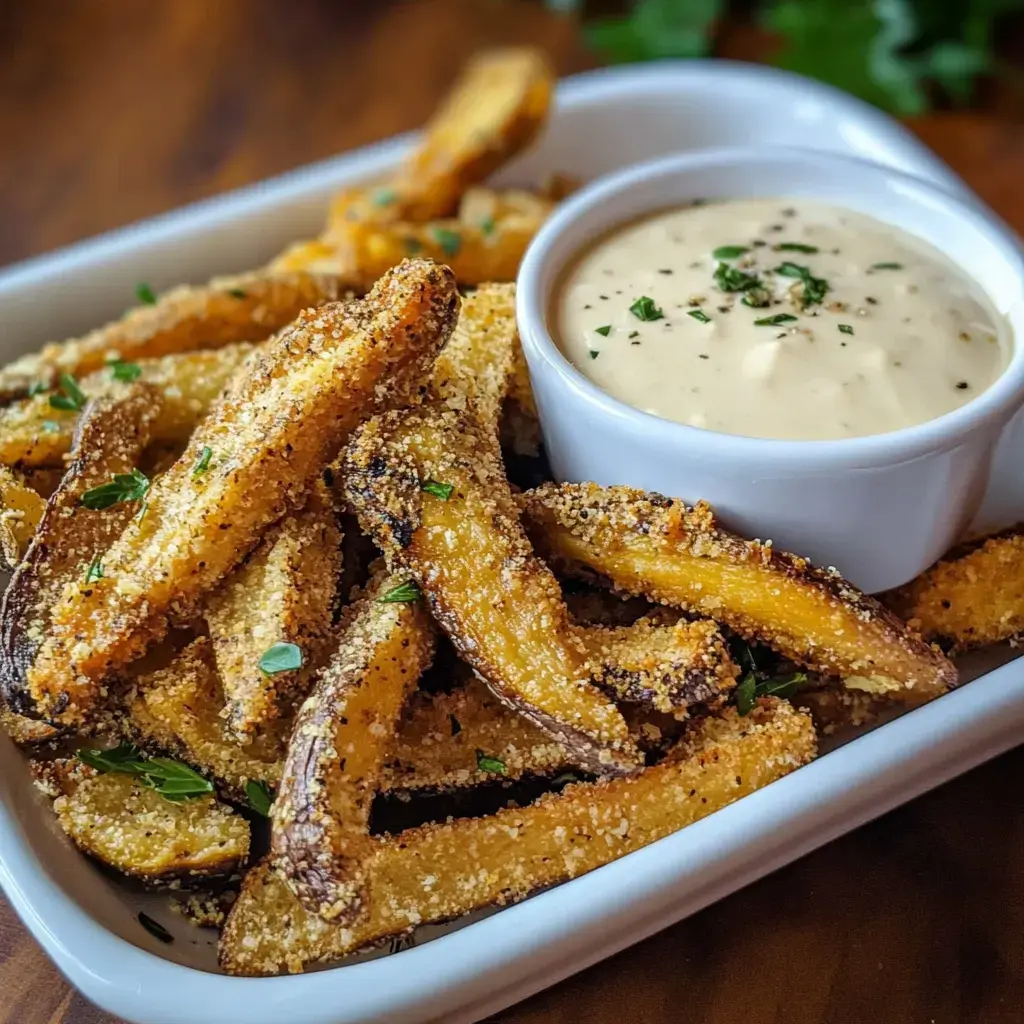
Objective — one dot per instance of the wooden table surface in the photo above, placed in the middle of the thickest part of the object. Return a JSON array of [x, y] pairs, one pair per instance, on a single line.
[[111, 111]]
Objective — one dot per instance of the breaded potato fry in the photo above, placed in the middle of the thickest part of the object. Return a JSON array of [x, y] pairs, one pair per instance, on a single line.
[[176, 710], [495, 109], [466, 550], [464, 738], [439, 872], [283, 593], [69, 542], [651, 545], [246, 307], [484, 207], [21, 509], [972, 597], [124, 824], [33, 433], [320, 838], [669, 667], [26, 732], [252, 459]]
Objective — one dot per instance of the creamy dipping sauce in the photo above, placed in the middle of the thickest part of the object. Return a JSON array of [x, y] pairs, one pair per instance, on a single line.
[[778, 318]]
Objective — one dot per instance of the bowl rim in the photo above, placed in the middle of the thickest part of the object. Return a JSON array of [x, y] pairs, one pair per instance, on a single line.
[[541, 265]]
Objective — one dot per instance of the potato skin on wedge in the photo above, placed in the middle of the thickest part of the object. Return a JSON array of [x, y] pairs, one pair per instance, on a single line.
[[467, 551], [439, 872], [254, 458], [658, 547], [320, 837], [123, 824]]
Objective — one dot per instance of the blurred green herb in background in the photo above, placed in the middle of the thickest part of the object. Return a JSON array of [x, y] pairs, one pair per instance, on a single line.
[[899, 54]]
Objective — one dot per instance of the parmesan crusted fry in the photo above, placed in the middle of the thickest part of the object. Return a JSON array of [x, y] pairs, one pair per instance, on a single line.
[[251, 460], [177, 710], [461, 541], [973, 597], [651, 545], [283, 593], [120, 822], [438, 872], [20, 511], [667, 667], [320, 837], [248, 307], [70, 539], [495, 109], [33, 433]]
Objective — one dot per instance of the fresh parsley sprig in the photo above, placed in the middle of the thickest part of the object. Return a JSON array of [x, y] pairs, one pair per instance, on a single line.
[[124, 487], [173, 780]]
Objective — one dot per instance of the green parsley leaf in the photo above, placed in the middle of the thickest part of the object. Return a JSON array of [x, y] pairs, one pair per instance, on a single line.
[[450, 241], [171, 779], [412, 245], [489, 764], [487, 226], [794, 247], [886, 266], [699, 314], [593, 354], [437, 489], [746, 694], [280, 657], [125, 758], [757, 298], [203, 462], [145, 294], [124, 487], [238, 293], [729, 252], [155, 928], [404, 593], [774, 321], [384, 197], [645, 309], [95, 570], [783, 687], [605, 331], [72, 398], [258, 797], [125, 371], [731, 279], [37, 387], [814, 288], [846, 329]]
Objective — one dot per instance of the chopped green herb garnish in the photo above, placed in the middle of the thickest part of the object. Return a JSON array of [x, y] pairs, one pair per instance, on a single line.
[[141, 514], [145, 294], [489, 764], [846, 328], [757, 298], [281, 657], [171, 779], [605, 331], [238, 293], [403, 593], [645, 308], [384, 197], [773, 321], [450, 241], [37, 387], [124, 487], [71, 398], [794, 247], [412, 245], [155, 928], [699, 314], [784, 686], [258, 797], [456, 725], [125, 371], [593, 354], [814, 288], [95, 570], [203, 462], [729, 252], [437, 489], [746, 694], [487, 226], [729, 279], [634, 334], [886, 266]]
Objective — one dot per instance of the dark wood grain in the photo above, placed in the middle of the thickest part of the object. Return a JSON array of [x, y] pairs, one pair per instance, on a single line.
[[111, 111]]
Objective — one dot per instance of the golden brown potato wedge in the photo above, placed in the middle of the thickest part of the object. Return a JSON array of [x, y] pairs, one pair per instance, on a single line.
[[254, 458], [124, 824], [320, 839], [973, 597], [67, 547], [33, 433], [21, 509], [247, 307], [429, 487], [282, 594], [668, 667], [655, 546], [438, 872], [495, 109]]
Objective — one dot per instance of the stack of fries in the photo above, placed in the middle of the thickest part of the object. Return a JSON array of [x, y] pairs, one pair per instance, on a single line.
[[212, 695]]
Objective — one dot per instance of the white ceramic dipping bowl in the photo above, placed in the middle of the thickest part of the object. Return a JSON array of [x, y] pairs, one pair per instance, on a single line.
[[879, 508]]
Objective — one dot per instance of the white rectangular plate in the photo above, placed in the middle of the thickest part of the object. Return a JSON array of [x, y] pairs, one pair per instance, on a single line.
[[87, 922]]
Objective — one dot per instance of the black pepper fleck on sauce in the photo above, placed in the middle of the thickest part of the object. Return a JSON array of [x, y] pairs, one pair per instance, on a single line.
[[666, 271], [871, 300], [724, 309], [703, 355], [605, 297], [962, 385]]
